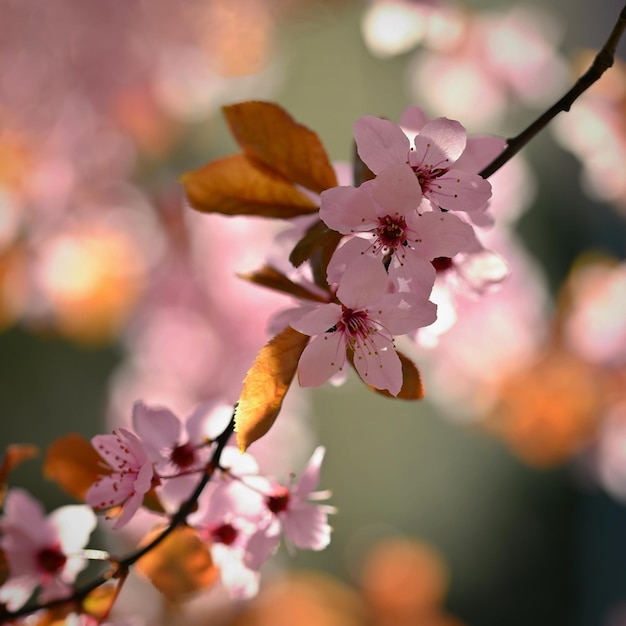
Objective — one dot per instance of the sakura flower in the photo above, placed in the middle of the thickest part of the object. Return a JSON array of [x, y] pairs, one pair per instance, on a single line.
[[384, 209], [436, 148], [41, 551], [130, 480], [364, 322], [304, 524]]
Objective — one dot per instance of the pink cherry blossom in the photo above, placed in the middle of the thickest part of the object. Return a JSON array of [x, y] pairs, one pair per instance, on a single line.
[[131, 479], [436, 148], [384, 209], [364, 322], [303, 523], [41, 551]]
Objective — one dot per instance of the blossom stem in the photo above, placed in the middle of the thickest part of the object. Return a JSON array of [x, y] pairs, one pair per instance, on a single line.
[[602, 62], [123, 565]]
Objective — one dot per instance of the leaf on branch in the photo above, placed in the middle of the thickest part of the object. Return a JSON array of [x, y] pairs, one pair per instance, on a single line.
[[178, 566], [73, 464], [412, 386], [99, 602], [236, 185], [268, 134], [15, 454], [271, 278], [317, 237], [266, 384]]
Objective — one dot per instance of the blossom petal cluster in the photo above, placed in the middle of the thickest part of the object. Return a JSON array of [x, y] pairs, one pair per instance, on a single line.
[[41, 551], [241, 514], [413, 217]]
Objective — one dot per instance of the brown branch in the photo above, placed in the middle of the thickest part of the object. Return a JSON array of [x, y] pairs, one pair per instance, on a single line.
[[123, 565], [602, 62]]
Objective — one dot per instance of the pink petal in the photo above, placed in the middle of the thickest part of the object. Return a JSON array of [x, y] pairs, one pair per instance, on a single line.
[[114, 451], [347, 209], [109, 491], [413, 273], [156, 426], [436, 234], [460, 191], [396, 191], [413, 118], [445, 137], [380, 143], [344, 256], [262, 545], [310, 476], [363, 282], [479, 152], [24, 521], [306, 526], [401, 313], [378, 364], [323, 357], [319, 320]]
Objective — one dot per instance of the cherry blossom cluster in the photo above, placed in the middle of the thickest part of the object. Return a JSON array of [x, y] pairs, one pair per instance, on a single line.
[[241, 514], [415, 215]]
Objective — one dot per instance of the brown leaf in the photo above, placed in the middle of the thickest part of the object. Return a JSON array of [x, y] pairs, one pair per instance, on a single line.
[[236, 185], [266, 384], [73, 464], [271, 278], [180, 565], [15, 454], [268, 134]]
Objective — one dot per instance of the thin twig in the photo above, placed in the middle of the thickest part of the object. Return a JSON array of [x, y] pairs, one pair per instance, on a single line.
[[602, 62], [123, 565]]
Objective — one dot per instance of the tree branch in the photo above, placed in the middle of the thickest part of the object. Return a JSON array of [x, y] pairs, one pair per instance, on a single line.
[[123, 565], [602, 62]]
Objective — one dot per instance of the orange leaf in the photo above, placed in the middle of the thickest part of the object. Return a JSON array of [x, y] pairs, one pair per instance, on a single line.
[[270, 135], [181, 564], [73, 464], [15, 454], [99, 602], [266, 384], [237, 185], [271, 278]]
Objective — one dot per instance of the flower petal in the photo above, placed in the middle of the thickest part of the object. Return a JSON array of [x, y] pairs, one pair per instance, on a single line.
[[460, 191], [347, 209], [378, 364], [363, 282], [396, 191], [440, 142], [156, 426], [380, 143], [324, 356], [319, 320]]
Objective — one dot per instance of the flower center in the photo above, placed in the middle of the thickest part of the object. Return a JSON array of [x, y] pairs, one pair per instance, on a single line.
[[226, 534], [184, 455], [356, 324], [278, 502], [391, 231], [51, 560], [425, 177]]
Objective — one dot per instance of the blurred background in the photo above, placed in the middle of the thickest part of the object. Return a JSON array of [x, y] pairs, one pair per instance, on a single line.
[[496, 501]]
